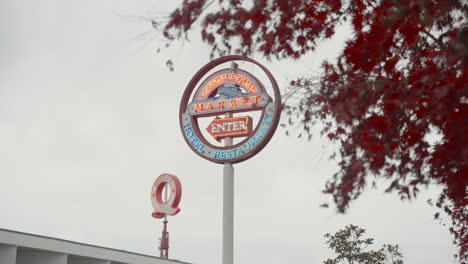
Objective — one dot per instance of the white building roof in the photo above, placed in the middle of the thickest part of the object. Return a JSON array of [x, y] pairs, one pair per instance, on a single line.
[[24, 248]]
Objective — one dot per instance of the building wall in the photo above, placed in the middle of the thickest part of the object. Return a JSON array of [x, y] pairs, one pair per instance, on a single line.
[[23, 248], [83, 260], [31, 256], [7, 254]]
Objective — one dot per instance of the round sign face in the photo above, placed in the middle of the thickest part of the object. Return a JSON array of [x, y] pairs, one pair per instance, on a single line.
[[169, 206], [234, 93]]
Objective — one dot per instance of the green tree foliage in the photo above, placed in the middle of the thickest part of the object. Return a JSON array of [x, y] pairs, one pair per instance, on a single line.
[[351, 247]]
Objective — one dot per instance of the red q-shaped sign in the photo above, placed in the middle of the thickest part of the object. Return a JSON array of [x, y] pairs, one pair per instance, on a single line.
[[169, 207]]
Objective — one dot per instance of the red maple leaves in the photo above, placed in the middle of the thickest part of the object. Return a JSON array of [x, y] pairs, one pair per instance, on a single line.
[[398, 93]]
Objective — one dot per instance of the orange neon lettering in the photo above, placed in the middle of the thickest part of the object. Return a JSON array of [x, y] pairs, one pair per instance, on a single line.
[[241, 80], [256, 99], [209, 106], [221, 104], [199, 107], [233, 103], [252, 88], [247, 84], [204, 91], [245, 100], [220, 79]]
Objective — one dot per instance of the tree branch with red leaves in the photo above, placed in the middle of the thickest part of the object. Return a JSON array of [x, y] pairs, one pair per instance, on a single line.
[[393, 88]]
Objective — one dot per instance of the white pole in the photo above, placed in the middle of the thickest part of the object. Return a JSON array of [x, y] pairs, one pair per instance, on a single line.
[[228, 214], [228, 207], [228, 201]]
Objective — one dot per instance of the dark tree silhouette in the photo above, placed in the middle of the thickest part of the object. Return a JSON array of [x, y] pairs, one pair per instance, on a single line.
[[398, 92]]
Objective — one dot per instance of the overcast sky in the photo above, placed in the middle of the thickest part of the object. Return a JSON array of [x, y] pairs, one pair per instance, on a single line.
[[89, 118]]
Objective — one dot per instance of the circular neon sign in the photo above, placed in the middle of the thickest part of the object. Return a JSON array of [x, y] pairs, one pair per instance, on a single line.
[[229, 91]]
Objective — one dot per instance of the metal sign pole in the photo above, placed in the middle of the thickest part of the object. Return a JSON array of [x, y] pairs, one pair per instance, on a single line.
[[228, 200], [165, 237], [228, 214]]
